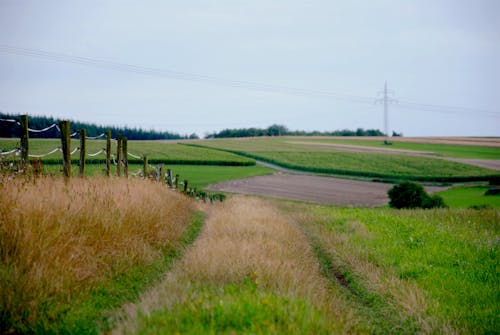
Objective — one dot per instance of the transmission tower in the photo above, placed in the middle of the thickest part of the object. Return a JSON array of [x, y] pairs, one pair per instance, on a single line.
[[386, 100]]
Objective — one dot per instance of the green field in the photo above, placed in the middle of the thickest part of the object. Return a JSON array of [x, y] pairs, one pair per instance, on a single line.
[[409, 266], [198, 176], [445, 150], [330, 161], [465, 197], [156, 151]]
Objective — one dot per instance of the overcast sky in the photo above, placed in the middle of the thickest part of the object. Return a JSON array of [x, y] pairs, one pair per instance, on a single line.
[[235, 56]]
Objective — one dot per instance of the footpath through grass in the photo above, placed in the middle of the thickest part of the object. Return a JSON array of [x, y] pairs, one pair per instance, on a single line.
[[327, 160], [440, 267]]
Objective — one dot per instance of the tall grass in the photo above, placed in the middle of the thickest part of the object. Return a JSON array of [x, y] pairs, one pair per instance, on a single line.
[[59, 241]]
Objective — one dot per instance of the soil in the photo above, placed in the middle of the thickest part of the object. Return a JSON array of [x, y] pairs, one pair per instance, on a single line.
[[324, 190]]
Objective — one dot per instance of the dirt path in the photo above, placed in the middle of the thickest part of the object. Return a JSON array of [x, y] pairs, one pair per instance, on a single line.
[[324, 190]]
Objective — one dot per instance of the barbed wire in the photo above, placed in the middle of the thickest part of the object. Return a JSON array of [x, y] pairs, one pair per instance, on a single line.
[[47, 154], [134, 156], [97, 153], [95, 137], [10, 152]]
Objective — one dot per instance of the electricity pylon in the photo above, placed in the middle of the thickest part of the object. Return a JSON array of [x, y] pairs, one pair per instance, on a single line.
[[386, 100]]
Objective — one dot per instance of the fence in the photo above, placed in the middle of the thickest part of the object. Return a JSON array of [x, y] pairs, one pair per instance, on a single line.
[[159, 173]]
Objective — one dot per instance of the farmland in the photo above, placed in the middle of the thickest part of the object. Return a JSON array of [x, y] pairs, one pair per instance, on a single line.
[[328, 160], [437, 149], [156, 151], [111, 255]]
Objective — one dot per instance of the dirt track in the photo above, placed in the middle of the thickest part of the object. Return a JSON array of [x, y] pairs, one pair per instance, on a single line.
[[324, 190]]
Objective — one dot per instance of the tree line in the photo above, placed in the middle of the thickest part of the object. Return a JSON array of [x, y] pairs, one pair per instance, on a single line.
[[9, 129], [280, 130]]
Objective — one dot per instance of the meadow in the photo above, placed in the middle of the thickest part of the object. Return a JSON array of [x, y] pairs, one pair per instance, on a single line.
[[156, 151], [327, 160], [111, 255], [434, 271], [444, 150]]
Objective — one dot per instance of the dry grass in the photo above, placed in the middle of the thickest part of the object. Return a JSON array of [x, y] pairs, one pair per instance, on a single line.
[[246, 239], [58, 240]]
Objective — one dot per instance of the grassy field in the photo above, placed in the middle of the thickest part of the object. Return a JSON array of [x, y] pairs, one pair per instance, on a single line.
[[464, 197], [430, 271], [70, 253], [198, 176], [279, 267], [445, 150], [156, 151], [330, 161]]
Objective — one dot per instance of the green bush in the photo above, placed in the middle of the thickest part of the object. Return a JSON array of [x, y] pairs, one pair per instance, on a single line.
[[412, 195]]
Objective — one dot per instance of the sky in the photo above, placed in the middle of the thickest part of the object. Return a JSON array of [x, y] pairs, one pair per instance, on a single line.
[[205, 65]]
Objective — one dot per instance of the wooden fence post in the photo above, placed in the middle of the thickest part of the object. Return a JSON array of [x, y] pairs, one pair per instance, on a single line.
[[108, 153], [24, 142], [64, 126], [169, 178], [185, 186], [119, 155], [161, 174], [177, 181], [125, 156], [83, 151], [145, 166]]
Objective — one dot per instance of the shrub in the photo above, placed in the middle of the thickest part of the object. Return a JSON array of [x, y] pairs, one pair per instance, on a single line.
[[412, 195]]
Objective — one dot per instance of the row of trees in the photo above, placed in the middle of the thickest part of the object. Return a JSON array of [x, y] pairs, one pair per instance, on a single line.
[[280, 130], [9, 129]]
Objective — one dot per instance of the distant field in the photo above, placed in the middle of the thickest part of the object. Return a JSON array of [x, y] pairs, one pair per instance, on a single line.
[[464, 197], [156, 151], [445, 150], [198, 176], [330, 161]]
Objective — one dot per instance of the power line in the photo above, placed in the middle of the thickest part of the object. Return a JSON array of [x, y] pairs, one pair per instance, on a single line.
[[171, 74], [193, 77]]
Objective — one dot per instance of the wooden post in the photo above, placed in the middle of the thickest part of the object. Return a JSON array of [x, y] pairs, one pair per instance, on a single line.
[[108, 153], [83, 151], [185, 186], [177, 181], [24, 142], [66, 148], [145, 166], [119, 155], [169, 178], [125, 156], [161, 174]]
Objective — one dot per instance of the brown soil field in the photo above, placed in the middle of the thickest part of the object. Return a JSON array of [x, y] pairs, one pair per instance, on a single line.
[[324, 190]]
